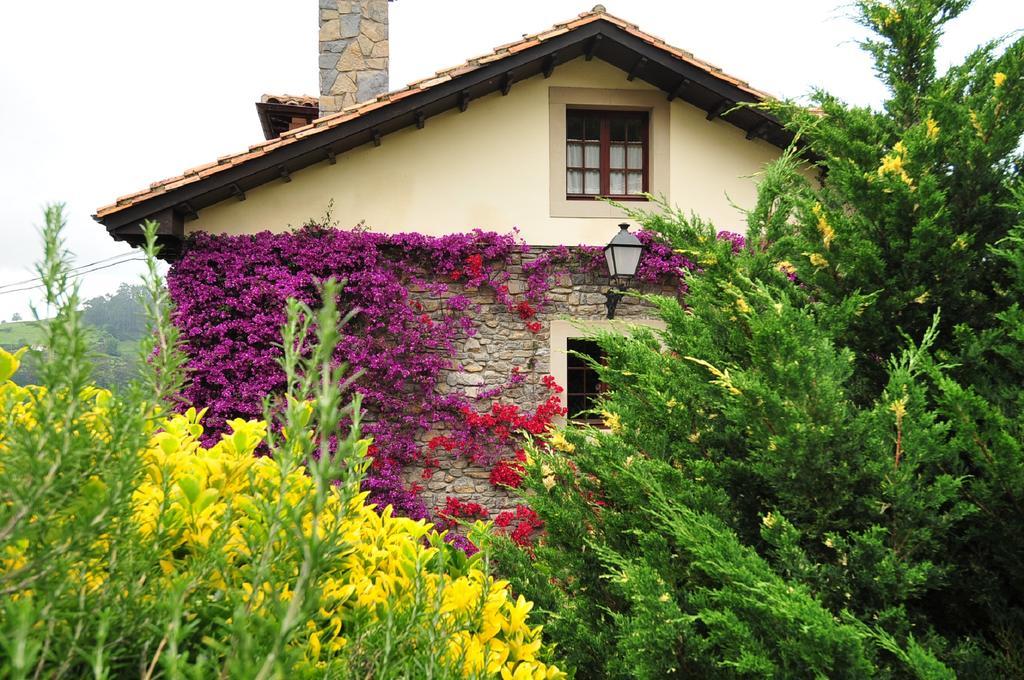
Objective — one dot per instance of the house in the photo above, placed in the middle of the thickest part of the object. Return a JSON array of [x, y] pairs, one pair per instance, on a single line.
[[525, 137]]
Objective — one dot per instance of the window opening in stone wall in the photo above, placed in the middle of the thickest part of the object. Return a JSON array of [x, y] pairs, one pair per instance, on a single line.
[[606, 154], [583, 386]]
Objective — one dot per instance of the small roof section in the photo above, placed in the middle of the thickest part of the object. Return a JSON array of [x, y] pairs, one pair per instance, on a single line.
[[290, 99], [593, 34], [282, 112]]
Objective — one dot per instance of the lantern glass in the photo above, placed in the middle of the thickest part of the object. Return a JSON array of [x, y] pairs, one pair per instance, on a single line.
[[623, 254]]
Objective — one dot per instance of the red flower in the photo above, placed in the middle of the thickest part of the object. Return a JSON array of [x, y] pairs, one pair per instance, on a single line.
[[526, 523], [441, 441], [549, 382], [475, 265], [455, 510], [525, 310], [508, 472], [534, 327]]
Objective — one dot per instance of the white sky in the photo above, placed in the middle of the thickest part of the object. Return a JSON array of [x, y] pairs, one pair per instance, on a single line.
[[98, 99]]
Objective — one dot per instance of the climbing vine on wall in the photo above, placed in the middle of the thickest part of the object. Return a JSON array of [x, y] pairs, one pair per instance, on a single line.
[[230, 292]]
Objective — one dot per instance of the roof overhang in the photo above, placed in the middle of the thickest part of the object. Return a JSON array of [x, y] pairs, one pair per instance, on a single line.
[[278, 117], [719, 95]]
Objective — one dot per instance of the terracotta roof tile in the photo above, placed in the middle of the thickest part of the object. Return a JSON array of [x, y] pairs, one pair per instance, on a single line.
[[175, 185], [503, 48], [427, 84], [305, 131], [372, 105], [213, 170], [525, 45], [200, 168], [356, 110], [135, 193], [459, 70], [554, 33], [586, 19], [491, 57], [290, 99], [402, 94]]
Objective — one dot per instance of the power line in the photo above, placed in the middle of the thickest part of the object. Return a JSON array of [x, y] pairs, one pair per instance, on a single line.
[[82, 266], [74, 276]]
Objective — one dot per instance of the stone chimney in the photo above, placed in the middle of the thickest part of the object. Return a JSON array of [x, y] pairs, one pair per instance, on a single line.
[[353, 52]]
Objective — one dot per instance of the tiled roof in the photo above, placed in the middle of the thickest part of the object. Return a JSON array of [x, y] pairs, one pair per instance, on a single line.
[[290, 99], [351, 112]]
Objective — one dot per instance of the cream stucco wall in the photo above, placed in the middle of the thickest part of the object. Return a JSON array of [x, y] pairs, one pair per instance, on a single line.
[[490, 167]]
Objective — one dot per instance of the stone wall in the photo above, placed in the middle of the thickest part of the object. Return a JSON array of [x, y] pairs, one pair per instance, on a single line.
[[353, 52], [502, 342]]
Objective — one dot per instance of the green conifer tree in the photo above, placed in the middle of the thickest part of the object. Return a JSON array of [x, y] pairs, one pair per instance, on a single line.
[[822, 476], [916, 193]]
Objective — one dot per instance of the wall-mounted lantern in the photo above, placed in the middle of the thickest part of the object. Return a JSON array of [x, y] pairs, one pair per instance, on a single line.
[[623, 257]]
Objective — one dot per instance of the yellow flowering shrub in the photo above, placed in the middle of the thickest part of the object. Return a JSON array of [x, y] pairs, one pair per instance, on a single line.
[[817, 260], [192, 500], [894, 164], [385, 565], [827, 232]]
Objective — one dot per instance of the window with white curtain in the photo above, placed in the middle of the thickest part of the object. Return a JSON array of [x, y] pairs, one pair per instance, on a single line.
[[606, 153]]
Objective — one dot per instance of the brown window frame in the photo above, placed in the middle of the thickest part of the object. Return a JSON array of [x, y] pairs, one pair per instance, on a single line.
[[605, 117], [588, 373]]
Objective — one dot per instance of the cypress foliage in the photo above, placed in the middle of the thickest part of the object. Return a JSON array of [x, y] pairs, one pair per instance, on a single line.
[[915, 194], [816, 469]]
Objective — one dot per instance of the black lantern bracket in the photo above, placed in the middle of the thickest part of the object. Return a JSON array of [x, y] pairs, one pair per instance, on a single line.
[[623, 255], [612, 298]]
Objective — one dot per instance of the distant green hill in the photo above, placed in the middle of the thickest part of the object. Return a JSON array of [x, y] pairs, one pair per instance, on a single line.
[[114, 361], [116, 323], [20, 333]]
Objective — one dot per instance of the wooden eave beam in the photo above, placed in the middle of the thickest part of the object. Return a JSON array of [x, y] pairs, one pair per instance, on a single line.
[[463, 101], [595, 42], [506, 83], [759, 130], [549, 64], [170, 223], [721, 107], [678, 90], [237, 192], [187, 211], [375, 136], [421, 120], [637, 68]]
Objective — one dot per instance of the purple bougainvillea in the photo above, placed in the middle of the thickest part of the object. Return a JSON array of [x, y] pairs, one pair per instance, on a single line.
[[230, 294], [739, 241], [660, 262]]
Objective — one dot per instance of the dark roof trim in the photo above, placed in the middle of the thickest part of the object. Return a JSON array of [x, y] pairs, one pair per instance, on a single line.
[[618, 47], [275, 117]]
